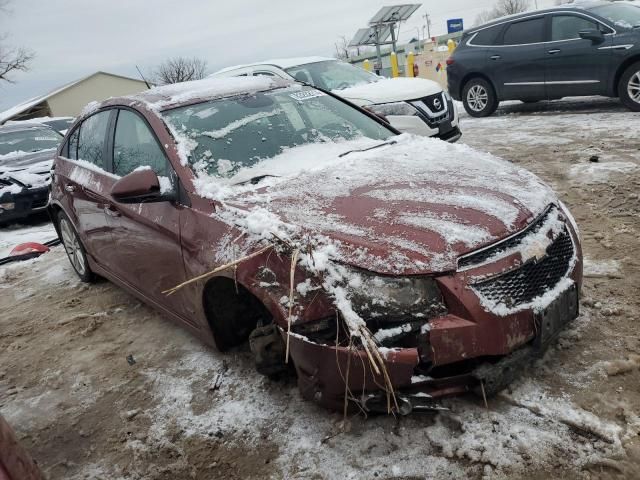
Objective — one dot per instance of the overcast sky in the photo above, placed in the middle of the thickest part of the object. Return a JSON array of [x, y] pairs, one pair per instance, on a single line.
[[74, 38]]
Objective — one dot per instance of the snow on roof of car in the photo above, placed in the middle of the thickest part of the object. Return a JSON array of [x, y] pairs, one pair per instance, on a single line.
[[21, 126], [283, 63], [159, 98]]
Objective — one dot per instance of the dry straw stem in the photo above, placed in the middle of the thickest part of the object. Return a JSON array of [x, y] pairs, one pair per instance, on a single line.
[[292, 274], [219, 269]]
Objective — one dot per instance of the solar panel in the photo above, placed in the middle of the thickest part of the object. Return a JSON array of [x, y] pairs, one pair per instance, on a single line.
[[395, 13], [367, 36]]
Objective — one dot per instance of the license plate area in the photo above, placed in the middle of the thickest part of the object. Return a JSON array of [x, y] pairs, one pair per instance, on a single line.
[[550, 321]]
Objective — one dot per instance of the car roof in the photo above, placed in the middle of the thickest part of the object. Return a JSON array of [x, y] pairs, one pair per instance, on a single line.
[[187, 93], [282, 63], [22, 126], [576, 6]]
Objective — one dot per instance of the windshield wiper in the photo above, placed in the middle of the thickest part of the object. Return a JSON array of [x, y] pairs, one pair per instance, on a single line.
[[392, 142], [255, 180]]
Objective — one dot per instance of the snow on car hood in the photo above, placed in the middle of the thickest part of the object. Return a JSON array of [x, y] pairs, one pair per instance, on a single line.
[[20, 170], [389, 90], [407, 208]]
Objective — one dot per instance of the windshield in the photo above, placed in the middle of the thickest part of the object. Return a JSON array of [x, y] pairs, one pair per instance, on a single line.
[[331, 75], [621, 14], [29, 140], [233, 133]]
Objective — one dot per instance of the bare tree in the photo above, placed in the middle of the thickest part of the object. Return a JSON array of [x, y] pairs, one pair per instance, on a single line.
[[180, 69], [502, 8], [12, 59], [342, 48]]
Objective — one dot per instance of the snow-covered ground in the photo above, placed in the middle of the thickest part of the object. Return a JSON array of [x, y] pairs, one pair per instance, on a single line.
[[86, 412]]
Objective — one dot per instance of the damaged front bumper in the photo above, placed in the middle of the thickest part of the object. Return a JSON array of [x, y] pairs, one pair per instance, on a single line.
[[327, 373], [470, 348]]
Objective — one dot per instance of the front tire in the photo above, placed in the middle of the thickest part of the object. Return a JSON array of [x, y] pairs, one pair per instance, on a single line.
[[479, 98], [74, 248], [629, 87]]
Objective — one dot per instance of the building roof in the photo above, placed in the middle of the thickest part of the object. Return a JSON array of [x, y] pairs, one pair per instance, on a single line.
[[32, 102]]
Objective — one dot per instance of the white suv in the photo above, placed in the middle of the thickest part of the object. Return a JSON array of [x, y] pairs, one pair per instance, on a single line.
[[413, 105]]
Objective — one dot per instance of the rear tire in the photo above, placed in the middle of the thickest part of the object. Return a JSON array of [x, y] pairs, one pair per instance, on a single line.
[[629, 87], [479, 98], [74, 248]]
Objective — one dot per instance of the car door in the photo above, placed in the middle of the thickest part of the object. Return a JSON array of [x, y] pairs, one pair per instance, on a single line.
[[146, 252], [516, 64], [82, 173], [576, 66]]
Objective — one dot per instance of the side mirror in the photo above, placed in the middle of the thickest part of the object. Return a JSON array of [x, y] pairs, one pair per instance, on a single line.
[[596, 36], [139, 186]]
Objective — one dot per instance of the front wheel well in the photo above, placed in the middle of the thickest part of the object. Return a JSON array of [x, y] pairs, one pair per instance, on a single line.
[[54, 210], [232, 312], [471, 76], [621, 69]]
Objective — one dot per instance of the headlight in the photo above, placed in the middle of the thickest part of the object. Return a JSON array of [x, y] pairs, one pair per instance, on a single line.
[[7, 206], [396, 108], [395, 299]]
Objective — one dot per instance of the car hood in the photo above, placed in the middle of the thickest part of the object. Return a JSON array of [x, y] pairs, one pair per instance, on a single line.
[[408, 208], [390, 90], [26, 170]]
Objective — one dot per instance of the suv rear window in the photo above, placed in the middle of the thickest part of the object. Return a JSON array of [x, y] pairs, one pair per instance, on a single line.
[[487, 37], [522, 33]]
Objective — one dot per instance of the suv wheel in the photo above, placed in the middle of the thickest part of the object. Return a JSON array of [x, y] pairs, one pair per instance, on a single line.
[[629, 87], [74, 248], [479, 98]]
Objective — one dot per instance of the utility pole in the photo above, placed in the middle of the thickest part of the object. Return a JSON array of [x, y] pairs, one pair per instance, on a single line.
[[427, 21]]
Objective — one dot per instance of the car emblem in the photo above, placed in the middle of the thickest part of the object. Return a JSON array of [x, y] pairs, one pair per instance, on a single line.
[[437, 104]]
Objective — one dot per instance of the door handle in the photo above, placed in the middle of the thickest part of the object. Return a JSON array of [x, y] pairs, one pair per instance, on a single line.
[[112, 211], [554, 51], [70, 188], [495, 57]]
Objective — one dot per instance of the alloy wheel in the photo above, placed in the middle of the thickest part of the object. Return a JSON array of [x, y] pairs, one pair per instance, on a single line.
[[72, 246], [633, 87], [477, 98]]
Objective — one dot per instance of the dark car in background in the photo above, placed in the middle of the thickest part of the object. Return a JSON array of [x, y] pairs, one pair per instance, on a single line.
[[26, 155], [591, 48]]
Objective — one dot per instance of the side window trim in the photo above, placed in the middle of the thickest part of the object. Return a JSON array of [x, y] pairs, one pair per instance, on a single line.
[[611, 30], [108, 144]]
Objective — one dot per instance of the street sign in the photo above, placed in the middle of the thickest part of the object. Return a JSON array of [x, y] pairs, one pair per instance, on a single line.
[[455, 25]]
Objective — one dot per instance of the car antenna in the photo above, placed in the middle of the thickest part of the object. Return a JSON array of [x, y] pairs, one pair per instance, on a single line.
[[143, 79]]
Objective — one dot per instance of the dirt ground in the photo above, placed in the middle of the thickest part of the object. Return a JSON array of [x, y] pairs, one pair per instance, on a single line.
[[99, 386]]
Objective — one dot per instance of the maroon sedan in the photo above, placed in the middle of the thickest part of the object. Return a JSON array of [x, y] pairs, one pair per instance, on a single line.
[[382, 266]]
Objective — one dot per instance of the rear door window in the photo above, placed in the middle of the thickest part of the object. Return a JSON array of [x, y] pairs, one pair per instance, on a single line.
[[91, 141], [487, 37], [524, 32], [135, 146], [568, 27]]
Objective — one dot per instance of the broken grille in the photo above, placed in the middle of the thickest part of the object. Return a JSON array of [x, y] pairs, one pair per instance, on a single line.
[[532, 279], [479, 257]]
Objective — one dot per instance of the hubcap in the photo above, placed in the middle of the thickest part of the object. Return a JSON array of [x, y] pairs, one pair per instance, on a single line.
[[477, 98], [633, 88], [72, 246]]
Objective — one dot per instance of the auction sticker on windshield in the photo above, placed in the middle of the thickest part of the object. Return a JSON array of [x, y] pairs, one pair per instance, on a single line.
[[306, 94]]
